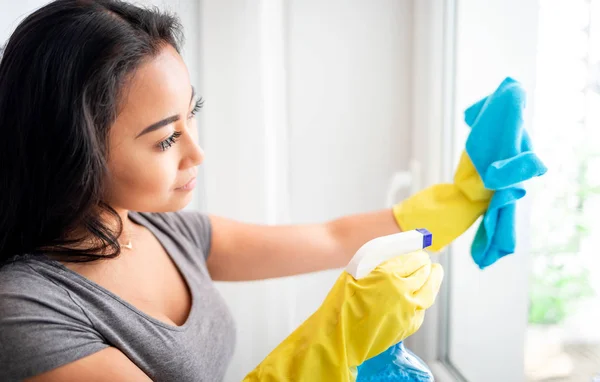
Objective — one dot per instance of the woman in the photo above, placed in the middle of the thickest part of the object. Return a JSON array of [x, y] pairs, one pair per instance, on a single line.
[[97, 115]]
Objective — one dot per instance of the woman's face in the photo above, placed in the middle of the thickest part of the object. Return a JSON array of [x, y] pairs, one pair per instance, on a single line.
[[153, 149]]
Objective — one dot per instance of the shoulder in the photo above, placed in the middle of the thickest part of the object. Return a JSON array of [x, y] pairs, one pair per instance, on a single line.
[[25, 277], [41, 326], [33, 287]]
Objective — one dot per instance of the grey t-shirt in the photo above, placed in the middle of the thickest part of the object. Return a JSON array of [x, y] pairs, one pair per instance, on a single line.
[[51, 316]]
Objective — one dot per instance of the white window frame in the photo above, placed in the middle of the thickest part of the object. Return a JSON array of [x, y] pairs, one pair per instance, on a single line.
[[440, 78], [434, 70]]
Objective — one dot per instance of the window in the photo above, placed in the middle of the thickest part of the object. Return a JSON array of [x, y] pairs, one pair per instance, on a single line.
[[533, 315], [563, 340]]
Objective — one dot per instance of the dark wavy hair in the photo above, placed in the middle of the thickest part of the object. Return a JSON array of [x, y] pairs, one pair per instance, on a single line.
[[62, 73]]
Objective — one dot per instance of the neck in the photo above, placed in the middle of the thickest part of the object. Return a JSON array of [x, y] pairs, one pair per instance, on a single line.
[[128, 228], [127, 233]]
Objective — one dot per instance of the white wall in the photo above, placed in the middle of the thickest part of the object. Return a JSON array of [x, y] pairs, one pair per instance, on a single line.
[[350, 110], [344, 127], [12, 12]]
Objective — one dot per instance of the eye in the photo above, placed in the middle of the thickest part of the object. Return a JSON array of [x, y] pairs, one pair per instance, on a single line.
[[167, 143], [196, 108]]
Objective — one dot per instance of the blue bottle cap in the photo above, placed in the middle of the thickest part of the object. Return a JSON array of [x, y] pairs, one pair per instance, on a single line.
[[427, 237]]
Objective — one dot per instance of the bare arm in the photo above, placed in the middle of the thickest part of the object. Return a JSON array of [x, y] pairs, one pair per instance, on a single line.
[[104, 366], [241, 251]]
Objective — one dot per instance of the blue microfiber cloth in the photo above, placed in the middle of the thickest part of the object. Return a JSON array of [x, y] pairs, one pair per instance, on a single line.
[[502, 154]]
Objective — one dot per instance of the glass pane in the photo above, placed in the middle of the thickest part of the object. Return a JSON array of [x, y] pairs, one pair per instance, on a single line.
[[563, 338], [487, 317]]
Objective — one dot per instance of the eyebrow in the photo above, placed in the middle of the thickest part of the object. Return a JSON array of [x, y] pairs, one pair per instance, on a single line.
[[164, 122]]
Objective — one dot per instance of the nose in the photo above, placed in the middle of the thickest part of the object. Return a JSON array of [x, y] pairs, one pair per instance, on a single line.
[[193, 154]]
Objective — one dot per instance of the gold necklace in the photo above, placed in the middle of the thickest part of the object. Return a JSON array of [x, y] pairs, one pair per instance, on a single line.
[[126, 246]]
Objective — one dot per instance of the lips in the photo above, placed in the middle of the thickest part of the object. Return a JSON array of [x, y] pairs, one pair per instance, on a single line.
[[189, 185], [191, 181]]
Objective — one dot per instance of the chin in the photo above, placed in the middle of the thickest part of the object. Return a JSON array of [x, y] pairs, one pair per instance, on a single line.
[[172, 203], [179, 202]]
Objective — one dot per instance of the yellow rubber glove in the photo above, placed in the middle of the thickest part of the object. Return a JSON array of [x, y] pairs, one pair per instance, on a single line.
[[359, 319], [447, 210]]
